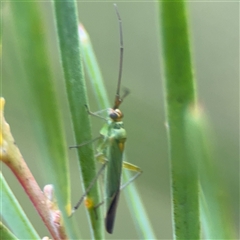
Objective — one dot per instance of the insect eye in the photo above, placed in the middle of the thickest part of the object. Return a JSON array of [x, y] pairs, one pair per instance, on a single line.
[[113, 115], [116, 115]]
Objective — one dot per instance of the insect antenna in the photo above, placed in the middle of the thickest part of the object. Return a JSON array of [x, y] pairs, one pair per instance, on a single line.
[[118, 99]]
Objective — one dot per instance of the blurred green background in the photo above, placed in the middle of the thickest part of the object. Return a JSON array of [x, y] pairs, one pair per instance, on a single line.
[[215, 44]]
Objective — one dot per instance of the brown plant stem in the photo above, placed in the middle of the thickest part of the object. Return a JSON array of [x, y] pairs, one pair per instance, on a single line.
[[11, 156]]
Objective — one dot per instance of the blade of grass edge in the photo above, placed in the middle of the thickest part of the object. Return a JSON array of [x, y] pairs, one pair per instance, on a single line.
[[67, 29]]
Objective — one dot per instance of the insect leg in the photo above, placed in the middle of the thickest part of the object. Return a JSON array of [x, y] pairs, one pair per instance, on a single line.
[[86, 143], [134, 168], [96, 114], [89, 188]]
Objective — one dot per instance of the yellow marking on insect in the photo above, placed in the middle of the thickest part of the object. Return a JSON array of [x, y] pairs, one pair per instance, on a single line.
[[89, 203], [121, 146]]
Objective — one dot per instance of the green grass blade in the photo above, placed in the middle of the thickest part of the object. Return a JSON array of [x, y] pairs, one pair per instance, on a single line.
[[93, 69], [13, 214], [5, 233], [134, 202], [137, 210], [180, 95], [216, 220], [67, 27], [36, 85]]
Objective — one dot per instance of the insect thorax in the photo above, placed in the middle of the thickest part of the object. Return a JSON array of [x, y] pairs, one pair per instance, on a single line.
[[117, 125], [117, 130]]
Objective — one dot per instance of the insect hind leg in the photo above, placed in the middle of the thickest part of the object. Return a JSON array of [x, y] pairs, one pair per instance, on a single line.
[[89, 188], [134, 168]]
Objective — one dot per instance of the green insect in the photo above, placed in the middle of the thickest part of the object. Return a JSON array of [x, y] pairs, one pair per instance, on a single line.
[[111, 149]]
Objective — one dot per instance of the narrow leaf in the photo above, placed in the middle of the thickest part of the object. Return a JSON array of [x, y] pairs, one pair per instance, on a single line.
[[13, 214], [215, 217], [67, 27], [180, 95], [5, 233]]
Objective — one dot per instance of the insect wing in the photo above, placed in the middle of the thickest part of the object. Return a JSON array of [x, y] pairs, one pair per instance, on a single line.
[[111, 213], [113, 180]]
